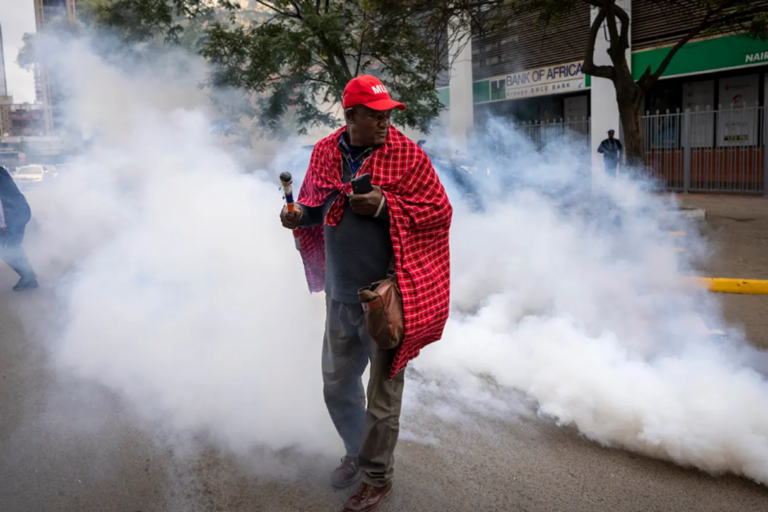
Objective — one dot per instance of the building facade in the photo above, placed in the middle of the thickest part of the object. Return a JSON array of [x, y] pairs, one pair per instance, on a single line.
[[27, 120], [6, 124], [46, 89], [3, 81], [534, 77]]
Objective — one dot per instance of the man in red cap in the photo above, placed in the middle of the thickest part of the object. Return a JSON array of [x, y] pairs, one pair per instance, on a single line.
[[347, 242]]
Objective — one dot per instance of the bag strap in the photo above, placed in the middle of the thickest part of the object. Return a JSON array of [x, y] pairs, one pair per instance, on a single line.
[[392, 267]]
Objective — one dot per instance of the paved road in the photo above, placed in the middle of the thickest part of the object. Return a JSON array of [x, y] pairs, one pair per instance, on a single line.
[[69, 446], [65, 446], [736, 232]]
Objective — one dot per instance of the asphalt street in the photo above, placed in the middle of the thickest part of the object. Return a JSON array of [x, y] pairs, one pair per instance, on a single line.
[[67, 445]]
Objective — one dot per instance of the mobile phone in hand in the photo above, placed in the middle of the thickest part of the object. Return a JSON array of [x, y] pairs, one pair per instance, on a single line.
[[362, 184]]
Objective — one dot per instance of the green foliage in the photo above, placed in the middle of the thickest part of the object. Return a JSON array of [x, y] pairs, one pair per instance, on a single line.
[[298, 56], [142, 20]]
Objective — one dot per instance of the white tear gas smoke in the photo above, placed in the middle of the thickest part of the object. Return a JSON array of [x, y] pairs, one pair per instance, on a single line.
[[188, 299], [185, 298]]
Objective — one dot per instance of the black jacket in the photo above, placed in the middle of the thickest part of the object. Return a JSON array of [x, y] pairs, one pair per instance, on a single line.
[[15, 206], [611, 148]]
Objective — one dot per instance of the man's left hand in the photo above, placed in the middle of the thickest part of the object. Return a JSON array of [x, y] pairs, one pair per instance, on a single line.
[[366, 204]]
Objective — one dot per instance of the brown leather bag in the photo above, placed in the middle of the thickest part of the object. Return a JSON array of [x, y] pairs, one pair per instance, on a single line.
[[383, 308]]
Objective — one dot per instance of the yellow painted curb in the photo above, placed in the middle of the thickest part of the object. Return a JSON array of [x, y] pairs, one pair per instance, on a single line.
[[726, 285]]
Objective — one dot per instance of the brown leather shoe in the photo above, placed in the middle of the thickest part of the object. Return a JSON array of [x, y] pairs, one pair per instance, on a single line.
[[347, 474], [368, 498]]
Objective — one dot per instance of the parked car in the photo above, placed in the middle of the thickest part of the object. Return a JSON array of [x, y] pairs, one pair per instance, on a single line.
[[29, 174]]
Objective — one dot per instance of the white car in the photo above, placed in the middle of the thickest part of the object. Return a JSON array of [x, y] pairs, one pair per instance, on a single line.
[[29, 174]]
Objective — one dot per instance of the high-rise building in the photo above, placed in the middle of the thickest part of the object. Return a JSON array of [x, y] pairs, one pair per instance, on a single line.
[[47, 92], [3, 82], [27, 120], [6, 121], [5, 100]]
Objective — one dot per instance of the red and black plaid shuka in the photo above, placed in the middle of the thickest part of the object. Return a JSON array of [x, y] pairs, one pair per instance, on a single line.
[[420, 219]]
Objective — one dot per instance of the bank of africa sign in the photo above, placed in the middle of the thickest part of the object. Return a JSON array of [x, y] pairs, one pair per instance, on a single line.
[[562, 78]]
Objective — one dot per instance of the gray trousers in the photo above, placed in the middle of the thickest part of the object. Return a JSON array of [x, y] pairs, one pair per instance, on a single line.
[[369, 433]]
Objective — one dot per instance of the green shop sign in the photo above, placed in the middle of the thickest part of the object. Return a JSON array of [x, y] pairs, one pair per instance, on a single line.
[[697, 57], [702, 56]]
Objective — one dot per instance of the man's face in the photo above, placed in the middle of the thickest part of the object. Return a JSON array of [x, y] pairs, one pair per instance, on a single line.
[[367, 127], [610, 134]]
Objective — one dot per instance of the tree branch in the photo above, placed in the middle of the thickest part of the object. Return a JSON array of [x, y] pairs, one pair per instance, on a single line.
[[589, 61], [624, 18], [710, 20], [345, 66], [610, 16], [298, 9], [278, 11], [360, 48], [653, 77]]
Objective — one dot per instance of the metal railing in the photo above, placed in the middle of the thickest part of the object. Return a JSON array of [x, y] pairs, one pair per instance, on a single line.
[[721, 150], [542, 133]]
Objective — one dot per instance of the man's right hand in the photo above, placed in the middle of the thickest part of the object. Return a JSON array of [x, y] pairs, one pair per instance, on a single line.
[[291, 220]]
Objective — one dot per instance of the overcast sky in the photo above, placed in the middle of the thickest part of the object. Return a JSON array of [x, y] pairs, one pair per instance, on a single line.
[[17, 18]]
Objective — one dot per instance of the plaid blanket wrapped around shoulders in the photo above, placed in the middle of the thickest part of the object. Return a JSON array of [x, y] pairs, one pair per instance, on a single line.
[[420, 220]]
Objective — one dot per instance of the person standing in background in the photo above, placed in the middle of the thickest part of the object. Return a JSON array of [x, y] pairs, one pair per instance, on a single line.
[[612, 150], [14, 216]]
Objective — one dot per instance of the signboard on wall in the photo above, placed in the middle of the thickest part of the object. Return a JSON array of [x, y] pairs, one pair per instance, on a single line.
[[739, 91], [699, 98], [562, 78], [699, 95], [737, 121], [575, 107], [705, 55]]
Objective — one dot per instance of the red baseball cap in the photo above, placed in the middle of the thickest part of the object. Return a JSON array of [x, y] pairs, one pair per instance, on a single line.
[[369, 91]]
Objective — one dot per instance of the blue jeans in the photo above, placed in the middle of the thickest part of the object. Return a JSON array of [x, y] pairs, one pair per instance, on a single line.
[[12, 252]]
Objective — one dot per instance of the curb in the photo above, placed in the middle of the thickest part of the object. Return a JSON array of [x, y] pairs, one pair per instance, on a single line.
[[727, 285], [695, 214]]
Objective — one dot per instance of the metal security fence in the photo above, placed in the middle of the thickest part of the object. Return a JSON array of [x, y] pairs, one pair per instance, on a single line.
[[555, 131], [721, 150]]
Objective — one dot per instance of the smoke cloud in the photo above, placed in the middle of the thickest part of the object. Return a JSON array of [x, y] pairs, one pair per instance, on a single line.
[[182, 294]]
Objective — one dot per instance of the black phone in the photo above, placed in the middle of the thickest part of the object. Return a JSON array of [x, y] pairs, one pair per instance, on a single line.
[[362, 184]]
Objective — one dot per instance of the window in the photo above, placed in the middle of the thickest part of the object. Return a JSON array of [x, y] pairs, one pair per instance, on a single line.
[[499, 89], [510, 39]]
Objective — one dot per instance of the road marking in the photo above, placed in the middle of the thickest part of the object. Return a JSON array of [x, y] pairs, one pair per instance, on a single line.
[[727, 285]]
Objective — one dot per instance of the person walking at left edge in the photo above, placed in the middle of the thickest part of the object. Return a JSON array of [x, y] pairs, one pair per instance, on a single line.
[[348, 241], [14, 216]]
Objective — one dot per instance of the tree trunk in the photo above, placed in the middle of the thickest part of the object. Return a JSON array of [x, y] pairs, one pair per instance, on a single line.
[[630, 99], [630, 114]]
